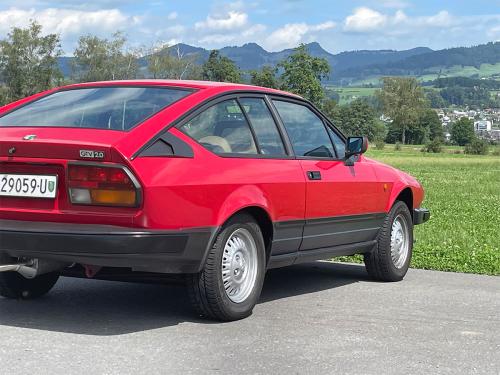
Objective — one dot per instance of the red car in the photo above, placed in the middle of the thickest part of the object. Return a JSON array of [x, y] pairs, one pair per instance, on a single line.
[[216, 181]]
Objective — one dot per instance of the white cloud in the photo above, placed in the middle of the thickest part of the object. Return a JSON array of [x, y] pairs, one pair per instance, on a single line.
[[364, 19], [229, 21], [292, 34], [66, 21], [172, 16]]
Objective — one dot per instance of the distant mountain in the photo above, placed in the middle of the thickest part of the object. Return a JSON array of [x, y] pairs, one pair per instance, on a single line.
[[432, 63], [347, 67]]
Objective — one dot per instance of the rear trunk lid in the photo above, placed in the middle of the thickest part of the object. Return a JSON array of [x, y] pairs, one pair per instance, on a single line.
[[59, 143]]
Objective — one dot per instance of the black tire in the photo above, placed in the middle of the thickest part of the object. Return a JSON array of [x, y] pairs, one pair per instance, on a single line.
[[206, 289], [379, 263], [15, 286]]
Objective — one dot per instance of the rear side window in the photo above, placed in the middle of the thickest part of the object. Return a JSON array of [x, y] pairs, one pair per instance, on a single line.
[[263, 124], [222, 129], [305, 130], [115, 108]]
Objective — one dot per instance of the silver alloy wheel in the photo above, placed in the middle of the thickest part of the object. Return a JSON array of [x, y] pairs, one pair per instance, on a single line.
[[400, 241], [239, 265]]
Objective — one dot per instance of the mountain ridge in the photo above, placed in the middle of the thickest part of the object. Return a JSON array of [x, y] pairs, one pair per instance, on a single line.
[[347, 66]]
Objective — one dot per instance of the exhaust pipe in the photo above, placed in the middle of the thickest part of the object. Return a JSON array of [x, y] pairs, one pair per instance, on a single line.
[[33, 267]]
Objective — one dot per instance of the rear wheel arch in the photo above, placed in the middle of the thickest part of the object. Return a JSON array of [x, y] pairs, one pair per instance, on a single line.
[[263, 219]]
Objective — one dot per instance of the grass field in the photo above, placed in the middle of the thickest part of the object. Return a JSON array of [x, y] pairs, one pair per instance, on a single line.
[[463, 194], [348, 94]]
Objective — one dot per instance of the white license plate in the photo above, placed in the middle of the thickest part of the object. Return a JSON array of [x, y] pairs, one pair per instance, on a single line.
[[28, 186]]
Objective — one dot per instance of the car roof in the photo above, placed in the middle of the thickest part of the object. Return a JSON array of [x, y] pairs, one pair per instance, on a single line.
[[218, 87]]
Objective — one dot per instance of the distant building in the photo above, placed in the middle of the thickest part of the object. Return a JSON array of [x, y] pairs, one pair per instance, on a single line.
[[482, 125]]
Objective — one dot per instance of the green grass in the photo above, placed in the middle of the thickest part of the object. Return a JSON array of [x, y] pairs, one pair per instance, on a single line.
[[463, 194], [348, 94]]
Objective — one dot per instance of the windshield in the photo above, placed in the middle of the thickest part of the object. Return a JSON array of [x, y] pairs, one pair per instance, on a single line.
[[115, 108]]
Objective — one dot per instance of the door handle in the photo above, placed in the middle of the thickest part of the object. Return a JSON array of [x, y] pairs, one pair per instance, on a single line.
[[314, 175]]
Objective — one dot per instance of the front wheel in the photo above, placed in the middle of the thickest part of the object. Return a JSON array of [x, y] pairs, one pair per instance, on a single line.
[[390, 259], [230, 283]]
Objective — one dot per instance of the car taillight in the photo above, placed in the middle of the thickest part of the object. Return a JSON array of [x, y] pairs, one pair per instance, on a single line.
[[102, 185]]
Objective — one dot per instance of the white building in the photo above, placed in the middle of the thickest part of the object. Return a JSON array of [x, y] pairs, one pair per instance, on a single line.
[[482, 125]]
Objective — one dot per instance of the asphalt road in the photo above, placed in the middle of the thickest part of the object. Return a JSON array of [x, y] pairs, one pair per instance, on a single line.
[[318, 318]]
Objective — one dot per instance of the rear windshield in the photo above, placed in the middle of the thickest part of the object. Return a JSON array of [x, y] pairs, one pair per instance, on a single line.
[[115, 108]]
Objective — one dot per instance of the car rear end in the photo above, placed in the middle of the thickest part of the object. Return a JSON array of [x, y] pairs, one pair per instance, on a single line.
[[69, 195]]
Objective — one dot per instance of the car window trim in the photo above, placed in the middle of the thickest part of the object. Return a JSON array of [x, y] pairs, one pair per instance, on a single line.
[[187, 89], [266, 104], [250, 126], [320, 115]]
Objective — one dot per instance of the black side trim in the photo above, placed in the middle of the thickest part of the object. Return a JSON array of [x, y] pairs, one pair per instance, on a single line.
[[324, 253], [296, 236], [287, 236], [341, 230], [421, 215], [170, 146]]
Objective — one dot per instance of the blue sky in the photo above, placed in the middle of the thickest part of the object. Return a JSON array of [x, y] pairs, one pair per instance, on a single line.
[[337, 25]]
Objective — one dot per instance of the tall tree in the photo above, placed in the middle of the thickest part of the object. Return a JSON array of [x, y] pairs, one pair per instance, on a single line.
[[220, 69], [99, 59], [402, 100], [302, 74], [28, 61], [167, 63], [462, 131], [266, 77]]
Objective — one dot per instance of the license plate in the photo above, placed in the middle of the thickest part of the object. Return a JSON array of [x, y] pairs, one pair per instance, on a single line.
[[28, 186]]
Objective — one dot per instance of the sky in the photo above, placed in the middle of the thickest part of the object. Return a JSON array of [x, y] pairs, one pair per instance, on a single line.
[[338, 25]]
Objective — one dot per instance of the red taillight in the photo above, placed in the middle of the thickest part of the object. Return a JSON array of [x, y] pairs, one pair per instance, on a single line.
[[102, 185]]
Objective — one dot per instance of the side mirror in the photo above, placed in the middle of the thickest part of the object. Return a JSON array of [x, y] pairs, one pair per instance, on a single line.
[[355, 146]]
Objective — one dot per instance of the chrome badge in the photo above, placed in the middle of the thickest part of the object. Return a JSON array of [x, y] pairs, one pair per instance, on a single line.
[[90, 154], [29, 137]]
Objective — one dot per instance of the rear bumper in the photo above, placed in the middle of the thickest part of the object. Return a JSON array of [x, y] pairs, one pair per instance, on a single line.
[[181, 251], [420, 215]]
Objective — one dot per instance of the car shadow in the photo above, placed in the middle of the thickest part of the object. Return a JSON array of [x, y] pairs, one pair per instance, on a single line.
[[106, 308]]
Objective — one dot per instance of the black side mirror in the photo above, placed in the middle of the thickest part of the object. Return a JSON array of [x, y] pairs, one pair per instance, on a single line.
[[355, 146]]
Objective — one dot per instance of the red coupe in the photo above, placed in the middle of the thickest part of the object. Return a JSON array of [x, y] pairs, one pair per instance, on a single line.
[[216, 181]]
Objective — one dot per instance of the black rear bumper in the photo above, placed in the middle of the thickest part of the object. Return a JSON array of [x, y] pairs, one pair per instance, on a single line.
[[420, 215], [181, 251]]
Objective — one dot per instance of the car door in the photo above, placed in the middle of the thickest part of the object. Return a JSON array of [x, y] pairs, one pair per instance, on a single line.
[[343, 202]]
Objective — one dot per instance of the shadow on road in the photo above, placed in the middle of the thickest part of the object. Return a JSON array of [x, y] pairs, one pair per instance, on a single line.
[[103, 308]]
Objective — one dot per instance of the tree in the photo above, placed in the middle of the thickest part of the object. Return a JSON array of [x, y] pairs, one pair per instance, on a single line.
[[28, 61], [402, 100], [356, 119], [220, 69], [429, 120], [99, 59], [165, 63], [302, 74], [462, 131], [265, 77]]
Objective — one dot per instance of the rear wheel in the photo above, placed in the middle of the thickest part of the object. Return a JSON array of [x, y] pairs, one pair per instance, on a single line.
[[230, 283], [390, 259]]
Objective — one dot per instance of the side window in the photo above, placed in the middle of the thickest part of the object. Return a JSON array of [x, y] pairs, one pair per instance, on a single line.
[[306, 130], [338, 142], [263, 124], [222, 129]]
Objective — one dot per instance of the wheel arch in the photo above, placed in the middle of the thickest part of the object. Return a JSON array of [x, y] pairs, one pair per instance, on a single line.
[[263, 219], [405, 195]]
